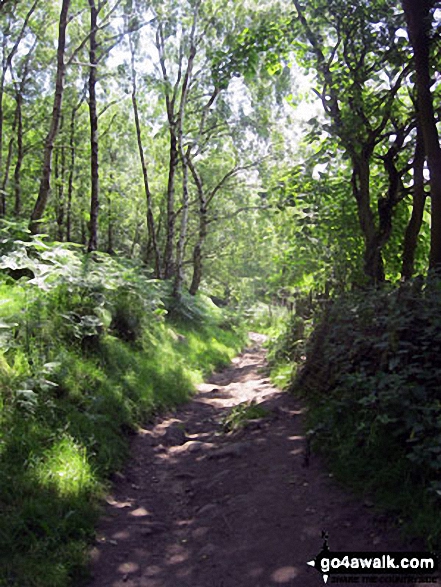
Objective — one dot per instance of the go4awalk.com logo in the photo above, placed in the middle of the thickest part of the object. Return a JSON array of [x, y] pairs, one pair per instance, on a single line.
[[371, 567]]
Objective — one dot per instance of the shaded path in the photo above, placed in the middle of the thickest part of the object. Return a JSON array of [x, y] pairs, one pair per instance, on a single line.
[[200, 508]]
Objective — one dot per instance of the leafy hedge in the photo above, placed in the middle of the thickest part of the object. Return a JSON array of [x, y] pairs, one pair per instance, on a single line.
[[372, 381]]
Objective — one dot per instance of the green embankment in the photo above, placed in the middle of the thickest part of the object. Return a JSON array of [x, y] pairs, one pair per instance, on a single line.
[[370, 377], [89, 351]]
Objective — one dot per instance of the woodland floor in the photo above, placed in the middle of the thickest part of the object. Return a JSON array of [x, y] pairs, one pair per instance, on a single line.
[[197, 507]]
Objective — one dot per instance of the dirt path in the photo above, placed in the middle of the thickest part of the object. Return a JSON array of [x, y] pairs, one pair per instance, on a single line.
[[202, 508]]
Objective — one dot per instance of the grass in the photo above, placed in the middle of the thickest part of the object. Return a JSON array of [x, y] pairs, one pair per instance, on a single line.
[[239, 415], [281, 374], [56, 454], [87, 356], [268, 319]]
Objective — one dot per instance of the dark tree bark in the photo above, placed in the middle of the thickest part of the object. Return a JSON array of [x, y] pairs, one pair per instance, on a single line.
[[83, 225], [416, 219], [45, 182], [179, 270], [93, 114], [205, 199], [373, 260], [169, 263], [395, 193], [360, 157], [198, 252], [419, 22]]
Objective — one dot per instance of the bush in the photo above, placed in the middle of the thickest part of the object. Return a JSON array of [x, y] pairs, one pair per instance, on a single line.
[[371, 380]]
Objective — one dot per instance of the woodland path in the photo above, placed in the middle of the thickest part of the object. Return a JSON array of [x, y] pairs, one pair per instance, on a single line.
[[209, 509]]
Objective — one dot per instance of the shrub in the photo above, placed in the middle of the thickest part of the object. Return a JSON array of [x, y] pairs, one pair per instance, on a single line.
[[371, 380]]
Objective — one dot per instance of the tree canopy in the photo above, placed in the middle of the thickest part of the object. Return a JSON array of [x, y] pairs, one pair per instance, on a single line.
[[152, 130]]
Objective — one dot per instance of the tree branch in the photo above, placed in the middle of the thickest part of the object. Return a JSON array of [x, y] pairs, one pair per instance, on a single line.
[[232, 173], [237, 212]]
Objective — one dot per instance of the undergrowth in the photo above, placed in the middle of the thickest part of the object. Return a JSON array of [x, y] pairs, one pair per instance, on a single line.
[[288, 335], [88, 351], [371, 381], [238, 416]]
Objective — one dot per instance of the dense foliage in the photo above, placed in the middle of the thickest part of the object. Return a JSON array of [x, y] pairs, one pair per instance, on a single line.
[[89, 350], [370, 376], [163, 130]]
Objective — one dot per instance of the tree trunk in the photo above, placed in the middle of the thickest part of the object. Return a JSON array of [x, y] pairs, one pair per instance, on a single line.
[[197, 252], [416, 219], [151, 230], [203, 231], [170, 101], [6, 63], [179, 277], [94, 163], [60, 170], [2, 89], [418, 19], [20, 89], [359, 139], [110, 249], [20, 155], [8, 164], [45, 182], [169, 267], [184, 156], [373, 260], [70, 178], [83, 225]]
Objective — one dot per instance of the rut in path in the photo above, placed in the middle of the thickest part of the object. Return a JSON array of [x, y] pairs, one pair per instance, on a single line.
[[200, 508]]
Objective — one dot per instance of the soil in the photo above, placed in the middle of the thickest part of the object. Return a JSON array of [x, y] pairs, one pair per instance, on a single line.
[[201, 507]]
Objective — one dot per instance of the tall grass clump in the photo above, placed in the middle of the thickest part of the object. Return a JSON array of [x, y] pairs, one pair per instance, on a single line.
[[288, 335], [372, 384], [89, 349]]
